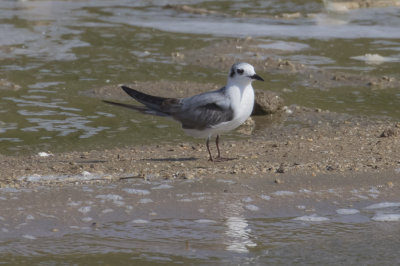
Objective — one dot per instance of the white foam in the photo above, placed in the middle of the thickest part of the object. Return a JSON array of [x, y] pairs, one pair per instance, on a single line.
[[86, 173], [146, 200], [301, 207], [373, 195], [74, 203], [304, 190], [311, 218], [383, 205], [84, 176], [205, 221], [200, 193], [265, 197], [285, 46], [47, 215], [162, 186], [74, 227], [374, 58], [30, 217], [106, 211], [140, 221], [347, 211], [373, 190], [136, 191], [119, 203], [202, 198], [87, 219], [31, 237], [251, 207], [227, 181], [247, 199], [186, 200], [44, 154], [113, 197], [85, 209], [283, 193], [386, 217]]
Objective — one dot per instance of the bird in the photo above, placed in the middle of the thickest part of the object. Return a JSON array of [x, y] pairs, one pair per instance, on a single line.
[[209, 114]]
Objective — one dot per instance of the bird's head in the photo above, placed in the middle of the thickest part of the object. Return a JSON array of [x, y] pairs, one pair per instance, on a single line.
[[242, 74]]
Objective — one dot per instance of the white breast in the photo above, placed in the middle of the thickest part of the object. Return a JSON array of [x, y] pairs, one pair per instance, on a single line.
[[242, 104], [246, 105]]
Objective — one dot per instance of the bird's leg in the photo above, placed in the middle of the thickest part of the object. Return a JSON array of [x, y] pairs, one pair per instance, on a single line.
[[208, 149], [219, 158], [216, 143]]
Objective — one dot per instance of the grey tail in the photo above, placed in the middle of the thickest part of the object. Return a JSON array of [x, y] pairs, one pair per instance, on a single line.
[[150, 101]]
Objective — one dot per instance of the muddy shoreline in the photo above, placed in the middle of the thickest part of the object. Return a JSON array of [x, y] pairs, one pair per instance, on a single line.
[[301, 147], [289, 146]]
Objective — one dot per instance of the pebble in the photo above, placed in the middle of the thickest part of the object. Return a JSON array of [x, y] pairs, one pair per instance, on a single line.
[[281, 169]]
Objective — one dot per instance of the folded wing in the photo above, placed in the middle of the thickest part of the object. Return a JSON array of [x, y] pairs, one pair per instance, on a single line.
[[204, 110], [197, 112]]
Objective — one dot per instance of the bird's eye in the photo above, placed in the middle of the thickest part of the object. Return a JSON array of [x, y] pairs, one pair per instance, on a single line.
[[240, 71]]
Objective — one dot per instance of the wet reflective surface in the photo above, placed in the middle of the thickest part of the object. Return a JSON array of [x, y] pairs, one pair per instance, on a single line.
[[220, 221], [52, 51]]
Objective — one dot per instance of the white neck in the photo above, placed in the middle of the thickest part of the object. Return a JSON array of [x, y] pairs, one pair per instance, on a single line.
[[242, 84]]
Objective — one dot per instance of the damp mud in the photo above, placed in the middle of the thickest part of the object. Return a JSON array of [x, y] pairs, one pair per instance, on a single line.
[[305, 143]]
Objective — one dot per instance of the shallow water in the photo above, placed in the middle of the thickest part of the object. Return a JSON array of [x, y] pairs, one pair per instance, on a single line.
[[55, 50], [197, 221]]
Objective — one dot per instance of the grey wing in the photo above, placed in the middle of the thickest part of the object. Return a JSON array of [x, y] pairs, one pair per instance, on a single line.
[[204, 110]]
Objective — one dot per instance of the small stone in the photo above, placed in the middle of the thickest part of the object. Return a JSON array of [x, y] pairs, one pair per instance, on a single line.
[[189, 176], [267, 102], [281, 169], [388, 133], [247, 127], [330, 168], [177, 55]]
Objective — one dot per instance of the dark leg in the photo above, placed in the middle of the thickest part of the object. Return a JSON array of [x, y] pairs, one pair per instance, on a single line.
[[216, 143], [219, 158], [208, 149]]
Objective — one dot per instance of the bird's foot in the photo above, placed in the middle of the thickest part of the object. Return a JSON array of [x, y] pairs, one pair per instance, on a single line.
[[223, 159]]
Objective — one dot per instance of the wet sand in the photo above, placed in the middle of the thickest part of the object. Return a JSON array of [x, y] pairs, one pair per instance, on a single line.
[[311, 147]]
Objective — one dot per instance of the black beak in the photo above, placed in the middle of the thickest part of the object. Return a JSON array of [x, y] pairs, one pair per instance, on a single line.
[[257, 77]]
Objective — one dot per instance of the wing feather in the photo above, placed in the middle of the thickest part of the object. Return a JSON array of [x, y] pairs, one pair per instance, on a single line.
[[204, 110]]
